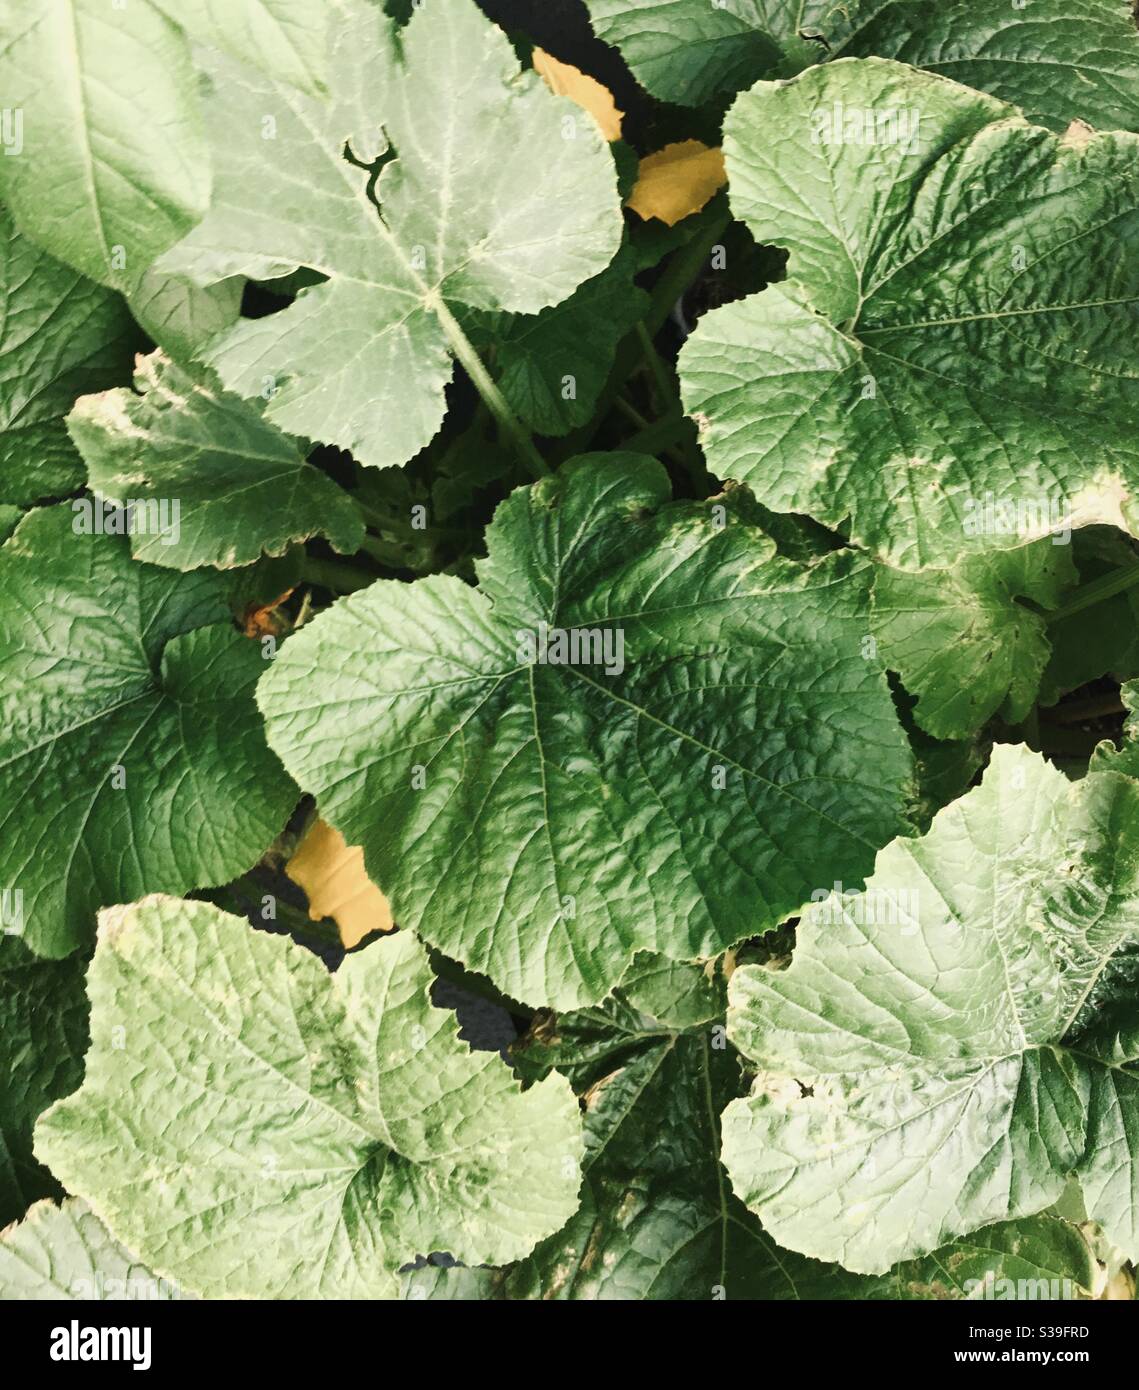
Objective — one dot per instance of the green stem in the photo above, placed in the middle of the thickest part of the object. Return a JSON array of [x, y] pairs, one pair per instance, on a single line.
[[667, 385], [336, 575], [376, 549], [373, 517], [484, 384], [1095, 707], [684, 267], [661, 435], [1105, 587], [631, 413], [645, 441], [665, 388], [385, 526]]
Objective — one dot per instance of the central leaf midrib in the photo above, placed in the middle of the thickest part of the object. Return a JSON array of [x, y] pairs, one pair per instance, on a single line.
[[374, 217]]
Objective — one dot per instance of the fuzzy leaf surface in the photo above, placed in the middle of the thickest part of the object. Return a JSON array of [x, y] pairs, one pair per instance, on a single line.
[[946, 1049], [486, 205], [1059, 60], [951, 326], [962, 639], [311, 1132], [658, 1219], [43, 1036], [552, 366], [132, 757], [112, 128], [243, 488], [60, 336], [65, 1253]]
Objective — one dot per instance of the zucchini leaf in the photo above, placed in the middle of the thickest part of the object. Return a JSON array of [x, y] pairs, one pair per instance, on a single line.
[[674, 785], [310, 1132], [946, 345], [947, 1048]]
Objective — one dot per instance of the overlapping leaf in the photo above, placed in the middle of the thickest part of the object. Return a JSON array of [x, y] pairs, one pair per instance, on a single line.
[[288, 38], [500, 197], [43, 1036], [1037, 1257], [60, 336], [1058, 59], [689, 51], [312, 1133], [947, 343], [110, 128], [65, 1253], [681, 782], [963, 640], [111, 132], [948, 1047], [132, 757], [657, 1218], [242, 487]]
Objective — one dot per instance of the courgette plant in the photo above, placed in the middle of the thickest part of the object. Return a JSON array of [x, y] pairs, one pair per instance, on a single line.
[[706, 636]]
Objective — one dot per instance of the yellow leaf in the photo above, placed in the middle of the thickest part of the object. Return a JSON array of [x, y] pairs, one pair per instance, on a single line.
[[568, 81], [331, 873], [677, 181]]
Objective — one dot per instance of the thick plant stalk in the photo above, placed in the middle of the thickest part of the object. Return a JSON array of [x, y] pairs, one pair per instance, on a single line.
[[1088, 595], [484, 384]]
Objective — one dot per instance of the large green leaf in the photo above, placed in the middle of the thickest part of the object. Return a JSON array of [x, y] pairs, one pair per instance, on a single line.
[[252, 1125], [60, 335], [1038, 1257], [288, 38], [690, 51], [946, 348], [947, 1048], [243, 488], [113, 166], [43, 1036], [180, 317], [65, 1253], [499, 198], [1058, 59], [963, 640], [132, 757], [543, 821]]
